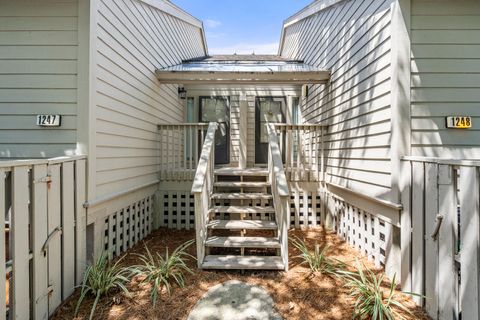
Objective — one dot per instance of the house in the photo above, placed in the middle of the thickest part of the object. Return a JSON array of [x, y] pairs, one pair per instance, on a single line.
[[342, 128]]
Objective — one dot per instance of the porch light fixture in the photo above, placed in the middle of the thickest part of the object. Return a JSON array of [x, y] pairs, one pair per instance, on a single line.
[[182, 93]]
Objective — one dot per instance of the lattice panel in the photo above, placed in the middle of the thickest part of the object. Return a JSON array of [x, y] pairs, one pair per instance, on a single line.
[[364, 231], [305, 209], [127, 226], [177, 209]]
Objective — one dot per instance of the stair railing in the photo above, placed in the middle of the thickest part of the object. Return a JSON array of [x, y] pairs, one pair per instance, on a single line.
[[280, 190], [202, 188]]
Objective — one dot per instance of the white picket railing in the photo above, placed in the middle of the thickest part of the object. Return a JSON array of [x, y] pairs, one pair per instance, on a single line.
[[180, 146], [202, 188], [442, 205], [280, 191], [44, 222], [302, 146]]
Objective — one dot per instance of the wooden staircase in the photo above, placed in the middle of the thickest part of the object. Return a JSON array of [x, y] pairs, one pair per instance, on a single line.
[[242, 232]]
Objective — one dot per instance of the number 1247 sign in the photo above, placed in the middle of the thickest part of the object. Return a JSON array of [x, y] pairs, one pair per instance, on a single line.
[[48, 120]]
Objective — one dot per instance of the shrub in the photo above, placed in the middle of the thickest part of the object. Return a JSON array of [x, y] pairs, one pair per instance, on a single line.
[[101, 278], [318, 261], [161, 271], [371, 301]]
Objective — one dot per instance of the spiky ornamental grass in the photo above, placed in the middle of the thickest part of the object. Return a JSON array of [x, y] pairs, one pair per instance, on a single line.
[[101, 278], [371, 302], [161, 271], [317, 260]]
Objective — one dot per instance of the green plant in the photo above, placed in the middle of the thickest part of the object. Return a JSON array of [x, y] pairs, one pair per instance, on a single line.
[[101, 278], [317, 260], [372, 302], [160, 271]]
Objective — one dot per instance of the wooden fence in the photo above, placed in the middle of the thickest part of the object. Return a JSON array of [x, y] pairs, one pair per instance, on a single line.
[[442, 262], [44, 222]]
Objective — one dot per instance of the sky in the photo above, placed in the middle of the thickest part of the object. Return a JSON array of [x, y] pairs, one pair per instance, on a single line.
[[242, 26]]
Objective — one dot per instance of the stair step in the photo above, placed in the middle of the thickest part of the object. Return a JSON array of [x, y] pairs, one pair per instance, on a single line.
[[242, 242], [256, 172], [242, 209], [237, 184], [243, 262], [242, 224], [242, 196]]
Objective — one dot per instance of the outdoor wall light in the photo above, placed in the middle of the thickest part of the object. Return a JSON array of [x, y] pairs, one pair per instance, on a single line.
[[182, 93]]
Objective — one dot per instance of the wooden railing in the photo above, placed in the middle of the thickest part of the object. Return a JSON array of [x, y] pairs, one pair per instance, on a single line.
[[280, 192], [202, 189], [43, 252], [180, 146], [441, 236], [302, 146]]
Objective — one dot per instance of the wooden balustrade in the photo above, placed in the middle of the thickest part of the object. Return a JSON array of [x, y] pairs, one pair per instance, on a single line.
[[202, 188], [280, 191], [180, 146], [302, 147]]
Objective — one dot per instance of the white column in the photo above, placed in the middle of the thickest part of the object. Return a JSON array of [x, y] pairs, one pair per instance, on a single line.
[[242, 159]]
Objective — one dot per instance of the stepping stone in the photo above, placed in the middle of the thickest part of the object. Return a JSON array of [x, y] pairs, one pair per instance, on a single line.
[[235, 300]]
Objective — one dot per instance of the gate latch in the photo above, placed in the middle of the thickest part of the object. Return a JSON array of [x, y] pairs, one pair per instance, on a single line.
[[438, 224], [50, 236]]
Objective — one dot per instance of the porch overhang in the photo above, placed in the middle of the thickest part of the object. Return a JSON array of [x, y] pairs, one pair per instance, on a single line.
[[242, 72]]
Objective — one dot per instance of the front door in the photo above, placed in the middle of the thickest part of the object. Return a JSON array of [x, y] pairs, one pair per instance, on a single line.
[[216, 109], [267, 109]]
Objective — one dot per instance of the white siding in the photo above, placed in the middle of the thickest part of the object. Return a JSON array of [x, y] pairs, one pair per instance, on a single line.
[[38, 75], [133, 40], [352, 39], [445, 77]]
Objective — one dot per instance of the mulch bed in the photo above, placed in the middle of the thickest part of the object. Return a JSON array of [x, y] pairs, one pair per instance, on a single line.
[[297, 293]]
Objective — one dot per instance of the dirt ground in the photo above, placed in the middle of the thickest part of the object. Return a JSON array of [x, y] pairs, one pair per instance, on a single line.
[[297, 294]]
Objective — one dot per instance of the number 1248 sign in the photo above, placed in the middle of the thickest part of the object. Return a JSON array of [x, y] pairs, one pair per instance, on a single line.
[[459, 122]]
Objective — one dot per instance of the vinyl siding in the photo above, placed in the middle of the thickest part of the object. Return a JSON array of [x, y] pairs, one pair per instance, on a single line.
[[352, 40], [38, 75], [133, 40], [445, 77]]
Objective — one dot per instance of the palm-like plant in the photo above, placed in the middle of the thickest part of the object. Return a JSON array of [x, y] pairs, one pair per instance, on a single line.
[[161, 271], [101, 278], [317, 260], [371, 301]]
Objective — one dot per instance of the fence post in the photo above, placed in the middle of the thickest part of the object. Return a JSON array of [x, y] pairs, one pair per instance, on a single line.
[[39, 228], [418, 191], [68, 229], [80, 221], [2, 241], [469, 239], [406, 230], [20, 250], [447, 203]]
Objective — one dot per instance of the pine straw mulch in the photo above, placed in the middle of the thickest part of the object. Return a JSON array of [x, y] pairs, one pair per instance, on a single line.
[[297, 293]]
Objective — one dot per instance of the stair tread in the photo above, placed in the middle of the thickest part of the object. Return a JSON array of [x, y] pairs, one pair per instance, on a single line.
[[242, 224], [241, 196], [242, 242], [243, 262], [241, 172], [243, 184], [242, 209]]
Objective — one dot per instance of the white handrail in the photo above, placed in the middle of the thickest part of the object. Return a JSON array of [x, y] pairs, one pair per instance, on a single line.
[[280, 190], [202, 188]]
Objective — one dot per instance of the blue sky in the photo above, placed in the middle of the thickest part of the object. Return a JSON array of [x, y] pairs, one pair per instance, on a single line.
[[242, 26]]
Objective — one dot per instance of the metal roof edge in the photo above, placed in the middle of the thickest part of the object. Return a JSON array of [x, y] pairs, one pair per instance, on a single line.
[[309, 10], [174, 10]]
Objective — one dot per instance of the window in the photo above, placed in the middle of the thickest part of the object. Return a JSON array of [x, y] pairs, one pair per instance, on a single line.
[[190, 110]]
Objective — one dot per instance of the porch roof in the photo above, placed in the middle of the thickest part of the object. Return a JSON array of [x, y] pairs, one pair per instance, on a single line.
[[232, 69]]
